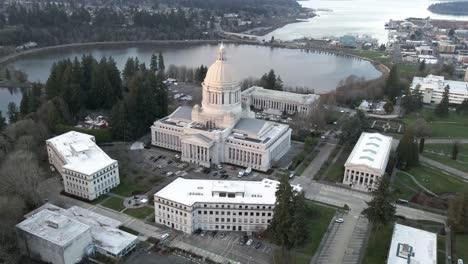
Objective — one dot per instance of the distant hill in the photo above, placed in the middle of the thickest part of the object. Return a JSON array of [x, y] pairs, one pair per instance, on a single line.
[[450, 8]]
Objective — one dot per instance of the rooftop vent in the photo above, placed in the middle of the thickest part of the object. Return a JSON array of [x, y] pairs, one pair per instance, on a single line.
[[55, 223]]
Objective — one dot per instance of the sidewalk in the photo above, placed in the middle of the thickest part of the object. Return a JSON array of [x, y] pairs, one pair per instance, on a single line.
[[444, 167]]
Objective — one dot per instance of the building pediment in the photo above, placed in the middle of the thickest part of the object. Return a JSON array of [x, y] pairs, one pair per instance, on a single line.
[[197, 139]]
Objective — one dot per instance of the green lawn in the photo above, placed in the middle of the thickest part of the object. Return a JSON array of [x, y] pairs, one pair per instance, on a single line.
[[378, 245], [452, 125], [405, 188], [319, 217], [446, 150], [437, 181], [113, 203], [128, 187], [447, 160], [461, 247], [370, 54], [140, 213]]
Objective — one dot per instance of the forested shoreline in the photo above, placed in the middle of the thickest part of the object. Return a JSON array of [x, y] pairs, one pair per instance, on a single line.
[[459, 8]]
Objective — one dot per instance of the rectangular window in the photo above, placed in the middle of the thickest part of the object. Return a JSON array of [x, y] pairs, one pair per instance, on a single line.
[[222, 194], [231, 195]]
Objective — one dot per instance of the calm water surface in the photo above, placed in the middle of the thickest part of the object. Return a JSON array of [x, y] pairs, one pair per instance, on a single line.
[[317, 70], [356, 17]]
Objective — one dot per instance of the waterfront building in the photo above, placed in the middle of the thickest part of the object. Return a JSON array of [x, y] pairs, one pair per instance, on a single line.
[[412, 245], [86, 170], [366, 164], [189, 204], [66, 236], [279, 102], [221, 130], [432, 88]]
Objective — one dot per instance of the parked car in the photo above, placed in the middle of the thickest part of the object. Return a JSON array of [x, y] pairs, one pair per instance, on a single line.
[[222, 171], [219, 166], [240, 174], [222, 235], [170, 162], [164, 236], [339, 220], [169, 174], [215, 174], [291, 175], [258, 245], [249, 242], [197, 232], [224, 176]]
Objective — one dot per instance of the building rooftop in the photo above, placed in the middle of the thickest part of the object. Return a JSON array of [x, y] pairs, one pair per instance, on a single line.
[[191, 191], [371, 150], [80, 152], [412, 246], [438, 83], [53, 227], [104, 230], [281, 96], [182, 112], [251, 125]]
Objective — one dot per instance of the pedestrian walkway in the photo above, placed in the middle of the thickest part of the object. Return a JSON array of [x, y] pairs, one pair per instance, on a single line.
[[444, 167], [356, 245]]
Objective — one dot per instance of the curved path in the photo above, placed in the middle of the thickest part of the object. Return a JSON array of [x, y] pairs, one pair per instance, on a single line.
[[416, 182], [444, 167]]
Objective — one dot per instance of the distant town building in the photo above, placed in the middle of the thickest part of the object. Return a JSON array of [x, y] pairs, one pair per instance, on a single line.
[[424, 50], [433, 87], [221, 130], [445, 47], [412, 245], [66, 236], [86, 170], [278, 101], [188, 204], [367, 162]]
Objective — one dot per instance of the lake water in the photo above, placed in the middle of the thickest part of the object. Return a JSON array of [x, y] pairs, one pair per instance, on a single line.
[[8, 95], [356, 17], [317, 70]]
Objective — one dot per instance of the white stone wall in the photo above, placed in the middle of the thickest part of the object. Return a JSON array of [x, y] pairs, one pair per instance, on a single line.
[[166, 136], [361, 178], [44, 250], [212, 216]]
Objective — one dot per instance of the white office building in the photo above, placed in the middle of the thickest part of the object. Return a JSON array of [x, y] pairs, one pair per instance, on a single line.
[[279, 102], [220, 130], [66, 236], [86, 170], [412, 245], [366, 164], [432, 88], [188, 205]]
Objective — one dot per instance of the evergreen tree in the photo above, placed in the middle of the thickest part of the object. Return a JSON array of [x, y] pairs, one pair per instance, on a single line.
[[463, 107], [443, 107], [381, 209], [24, 104], [2, 121], [129, 70], [161, 65], [392, 87], [298, 228], [408, 150], [281, 223], [154, 63], [53, 82], [119, 122], [422, 66], [7, 74], [353, 127], [457, 213], [13, 114], [455, 150]]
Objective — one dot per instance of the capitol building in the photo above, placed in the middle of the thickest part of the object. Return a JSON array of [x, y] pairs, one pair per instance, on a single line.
[[221, 130]]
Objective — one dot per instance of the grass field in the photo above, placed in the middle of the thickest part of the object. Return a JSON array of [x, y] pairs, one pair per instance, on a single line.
[[447, 160], [318, 219], [370, 54], [405, 188], [140, 213], [461, 247], [440, 249], [437, 181], [113, 203], [141, 184], [452, 125], [446, 149], [378, 245]]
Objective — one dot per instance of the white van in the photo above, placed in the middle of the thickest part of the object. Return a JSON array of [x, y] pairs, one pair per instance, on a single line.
[[240, 174], [247, 171]]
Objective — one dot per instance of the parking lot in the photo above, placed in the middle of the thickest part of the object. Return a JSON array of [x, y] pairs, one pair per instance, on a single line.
[[166, 163], [231, 245]]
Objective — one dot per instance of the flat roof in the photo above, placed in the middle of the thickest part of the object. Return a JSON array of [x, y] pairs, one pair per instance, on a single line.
[[66, 230], [191, 191], [439, 83], [104, 230], [80, 152], [182, 112], [418, 245], [281, 95], [371, 150]]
